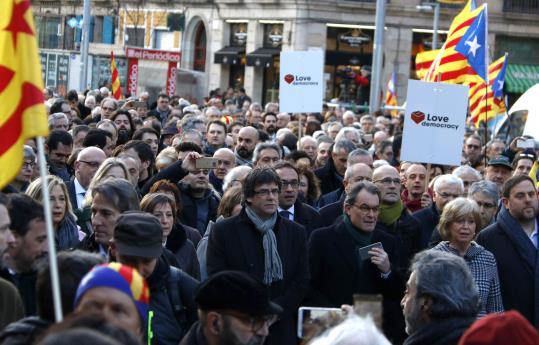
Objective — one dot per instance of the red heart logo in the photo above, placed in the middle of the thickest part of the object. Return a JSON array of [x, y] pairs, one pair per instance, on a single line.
[[289, 78], [418, 117]]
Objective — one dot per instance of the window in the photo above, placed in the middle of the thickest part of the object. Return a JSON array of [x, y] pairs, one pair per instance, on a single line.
[[48, 29], [200, 48], [521, 6], [163, 39], [134, 37]]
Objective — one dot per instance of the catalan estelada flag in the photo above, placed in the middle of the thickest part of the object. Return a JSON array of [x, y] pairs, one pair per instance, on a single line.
[[116, 89], [450, 66], [485, 102], [423, 60], [22, 112], [391, 93]]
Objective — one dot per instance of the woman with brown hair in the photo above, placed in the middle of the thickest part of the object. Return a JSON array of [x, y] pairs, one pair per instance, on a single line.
[[309, 187], [163, 207]]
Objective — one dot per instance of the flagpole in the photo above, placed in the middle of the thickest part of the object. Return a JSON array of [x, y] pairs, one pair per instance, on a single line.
[[486, 80], [50, 233]]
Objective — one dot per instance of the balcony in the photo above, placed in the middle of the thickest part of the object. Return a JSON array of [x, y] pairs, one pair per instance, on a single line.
[[521, 6]]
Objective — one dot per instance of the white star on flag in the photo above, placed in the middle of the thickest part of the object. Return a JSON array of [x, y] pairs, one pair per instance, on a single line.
[[473, 45], [500, 84]]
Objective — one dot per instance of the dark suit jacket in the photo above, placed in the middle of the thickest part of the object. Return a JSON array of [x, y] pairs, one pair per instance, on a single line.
[[516, 272], [428, 218], [306, 216], [235, 244], [330, 197], [72, 194]]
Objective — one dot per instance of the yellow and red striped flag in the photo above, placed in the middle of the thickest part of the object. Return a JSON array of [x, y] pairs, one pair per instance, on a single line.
[[116, 89], [423, 60], [450, 66], [487, 102], [22, 112]]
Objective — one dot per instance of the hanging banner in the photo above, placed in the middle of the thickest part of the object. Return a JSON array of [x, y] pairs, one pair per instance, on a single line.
[[171, 78], [434, 123], [132, 76]]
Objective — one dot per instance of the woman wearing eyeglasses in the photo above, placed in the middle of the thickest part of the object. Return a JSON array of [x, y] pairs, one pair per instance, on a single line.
[[24, 177], [458, 225]]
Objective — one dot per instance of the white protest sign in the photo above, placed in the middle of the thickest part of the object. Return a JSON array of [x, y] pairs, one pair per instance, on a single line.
[[301, 81], [434, 123]]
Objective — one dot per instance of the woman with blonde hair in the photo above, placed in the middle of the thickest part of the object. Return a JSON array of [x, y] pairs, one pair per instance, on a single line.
[[111, 167], [459, 222], [63, 220]]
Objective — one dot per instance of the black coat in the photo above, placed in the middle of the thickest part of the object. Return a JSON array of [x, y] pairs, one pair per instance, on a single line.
[[306, 216], [428, 218], [189, 208], [517, 271], [330, 197], [327, 176], [174, 173], [442, 332], [331, 213], [235, 244], [336, 277], [184, 250], [71, 192]]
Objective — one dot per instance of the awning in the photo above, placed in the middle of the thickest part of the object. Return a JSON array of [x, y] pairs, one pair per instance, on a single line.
[[519, 78], [229, 55], [335, 58], [262, 57]]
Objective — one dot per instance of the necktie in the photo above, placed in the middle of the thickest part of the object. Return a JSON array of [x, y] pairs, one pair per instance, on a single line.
[[285, 214]]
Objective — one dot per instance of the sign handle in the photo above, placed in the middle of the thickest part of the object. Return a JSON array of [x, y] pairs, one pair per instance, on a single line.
[[427, 178]]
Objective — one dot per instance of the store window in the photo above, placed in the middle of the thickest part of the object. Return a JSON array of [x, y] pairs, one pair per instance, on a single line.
[[347, 50]]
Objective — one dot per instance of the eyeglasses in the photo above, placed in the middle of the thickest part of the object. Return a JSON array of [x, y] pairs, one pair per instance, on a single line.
[[92, 164], [29, 165], [255, 323], [293, 184], [388, 181], [267, 192], [366, 209], [486, 205], [197, 172]]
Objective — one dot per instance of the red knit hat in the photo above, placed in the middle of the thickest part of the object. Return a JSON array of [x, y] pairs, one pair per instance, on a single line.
[[501, 329]]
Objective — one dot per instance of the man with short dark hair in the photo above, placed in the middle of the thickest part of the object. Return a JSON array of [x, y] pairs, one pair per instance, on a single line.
[[289, 205], [140, 149], [267, 246], [26, 247], [332, 174], [58, 147], [266, 154], [234, 309], [149, 136], [441, 299], [138, 242], [215, 137], [513, 241], [473, 150], [162, 111], [269, 120]]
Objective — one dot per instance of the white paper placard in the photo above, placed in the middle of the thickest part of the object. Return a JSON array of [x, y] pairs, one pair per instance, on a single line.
[[434, 123], [302, 81]]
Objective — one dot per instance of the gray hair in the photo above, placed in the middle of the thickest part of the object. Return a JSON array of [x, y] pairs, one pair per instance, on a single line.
[[354, 154], [232, 175], [345, 145], [121, 194], [344, 132], [357, 188], [191, 131], [56, 116], [29, 153], [356, 330], [447, 280], [324, 139], [212, 110], [264, 146], [448, 179], [464, 169], [490, 189], [307, 137]]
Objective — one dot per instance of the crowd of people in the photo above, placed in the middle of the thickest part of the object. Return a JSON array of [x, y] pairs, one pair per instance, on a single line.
[[294, 210]]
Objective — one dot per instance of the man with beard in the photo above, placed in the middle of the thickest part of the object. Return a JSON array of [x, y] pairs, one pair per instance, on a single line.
[[269, 120], [247, 140], [10, 300], [58, 147], [199, 201], [441, 299], [123, 121], [323, 151], [215, 137], [225, 163], [25, 248], [234, 309], [513, 241]]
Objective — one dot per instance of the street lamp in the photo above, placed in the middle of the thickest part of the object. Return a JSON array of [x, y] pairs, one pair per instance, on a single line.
[[432, 6]]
